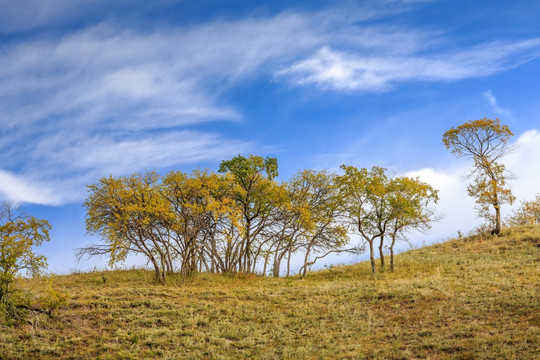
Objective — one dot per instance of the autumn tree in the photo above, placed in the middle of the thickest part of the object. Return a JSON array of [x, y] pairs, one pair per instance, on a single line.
[[19, 236], [312, 222], [366, 203], [132, 217], [485, 142], [412, 201], [198, 202], [527, 213]]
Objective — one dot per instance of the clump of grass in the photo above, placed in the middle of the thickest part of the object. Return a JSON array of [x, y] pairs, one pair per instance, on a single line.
[[474, 297]]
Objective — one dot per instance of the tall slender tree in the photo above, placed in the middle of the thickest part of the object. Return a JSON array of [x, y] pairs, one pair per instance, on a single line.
[[485, 142]]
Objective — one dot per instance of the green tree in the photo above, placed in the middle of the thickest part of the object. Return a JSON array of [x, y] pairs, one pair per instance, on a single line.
[[485, 142], [19, 236], [257, 196]]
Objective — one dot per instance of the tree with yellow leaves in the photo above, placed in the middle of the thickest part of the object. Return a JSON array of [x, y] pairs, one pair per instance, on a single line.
[[19, 235], [485, 142], [367, 196], [316, 210], [527, 213], [412, 201], [131, 216]]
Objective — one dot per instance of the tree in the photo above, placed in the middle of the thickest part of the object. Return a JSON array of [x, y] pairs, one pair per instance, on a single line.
[[412, 199], [132, 216], [379, 206], [366, 203], [19, 235], [316, 208], [527, 213], [257, 196], [485, 142], [198, 201]]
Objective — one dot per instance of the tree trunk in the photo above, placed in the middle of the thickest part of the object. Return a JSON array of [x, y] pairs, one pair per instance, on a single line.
[[160, 276], [497, 229], [277, 263], [381, 253], [247, 250], [289, 264], [304, 268], [392, 258], [266, 258], [372, 257]]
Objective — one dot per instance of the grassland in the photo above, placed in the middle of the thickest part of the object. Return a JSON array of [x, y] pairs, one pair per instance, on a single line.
[[470, 298]]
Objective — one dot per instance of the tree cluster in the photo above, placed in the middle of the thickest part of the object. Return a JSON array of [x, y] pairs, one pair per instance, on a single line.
[[381, 208], [242, 219]]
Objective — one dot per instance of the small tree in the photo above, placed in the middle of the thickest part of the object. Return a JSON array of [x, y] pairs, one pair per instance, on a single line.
[[412, 201], [315, 199], [367, 197], [527, 213], [485, 142], [19, 235]]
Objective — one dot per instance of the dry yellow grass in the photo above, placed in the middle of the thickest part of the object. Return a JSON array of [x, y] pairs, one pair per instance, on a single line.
[[471, 298]]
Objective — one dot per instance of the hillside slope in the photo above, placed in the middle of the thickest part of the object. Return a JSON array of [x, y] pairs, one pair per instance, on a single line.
[[466, 298]]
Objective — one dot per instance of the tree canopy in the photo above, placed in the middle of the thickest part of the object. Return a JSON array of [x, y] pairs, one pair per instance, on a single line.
[[243, 220]]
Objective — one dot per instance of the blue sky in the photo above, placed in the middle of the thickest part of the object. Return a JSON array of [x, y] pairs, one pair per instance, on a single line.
[[92, 88]]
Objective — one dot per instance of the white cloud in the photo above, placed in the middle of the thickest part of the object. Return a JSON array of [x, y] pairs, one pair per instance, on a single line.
[[69, 161], [111, 100], [454, 203], [524, 163], [106, 154]]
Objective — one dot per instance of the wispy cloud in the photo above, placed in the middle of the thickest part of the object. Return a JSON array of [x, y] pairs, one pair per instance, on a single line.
[[24, 15], [382, 70], [111, 98], [490, 98], [19, 189], [62, 165]]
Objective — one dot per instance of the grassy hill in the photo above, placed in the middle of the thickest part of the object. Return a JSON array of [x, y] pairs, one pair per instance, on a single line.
[[470, 298]]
